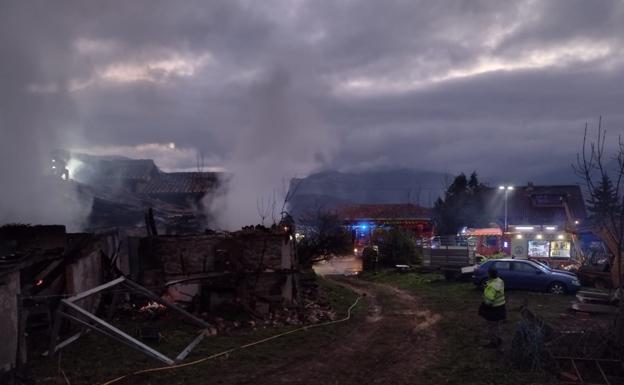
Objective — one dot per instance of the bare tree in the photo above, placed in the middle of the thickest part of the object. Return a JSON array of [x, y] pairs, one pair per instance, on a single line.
[[289, 190], [603, 176], [325, 236], [273, 206], [265, 207]]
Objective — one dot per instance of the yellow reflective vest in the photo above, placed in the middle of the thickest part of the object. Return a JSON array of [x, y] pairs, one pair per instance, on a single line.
[[494, 293]]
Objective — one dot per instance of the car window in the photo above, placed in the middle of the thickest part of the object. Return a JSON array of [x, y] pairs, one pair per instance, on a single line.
[[525, 267], [501, 265]]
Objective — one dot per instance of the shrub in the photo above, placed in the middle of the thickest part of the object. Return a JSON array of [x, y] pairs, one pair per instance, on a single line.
[[397, 246]]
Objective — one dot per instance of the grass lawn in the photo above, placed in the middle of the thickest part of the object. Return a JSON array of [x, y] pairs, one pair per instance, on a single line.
[[462, 360], [94, 359]]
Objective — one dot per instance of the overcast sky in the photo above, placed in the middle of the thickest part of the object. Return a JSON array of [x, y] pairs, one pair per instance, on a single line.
[[495, 86]]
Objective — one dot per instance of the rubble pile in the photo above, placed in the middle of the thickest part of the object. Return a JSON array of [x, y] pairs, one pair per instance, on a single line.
[[313, 313]]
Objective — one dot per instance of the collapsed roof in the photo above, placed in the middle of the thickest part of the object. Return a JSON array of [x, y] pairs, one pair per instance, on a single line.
[[123, 189], [181, 183]]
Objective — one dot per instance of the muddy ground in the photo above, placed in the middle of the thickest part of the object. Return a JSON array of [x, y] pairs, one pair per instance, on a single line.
[[406, 329], [390, 339], [392, 345]]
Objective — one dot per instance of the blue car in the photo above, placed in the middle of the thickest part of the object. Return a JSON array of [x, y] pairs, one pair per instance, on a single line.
[[528, 275]]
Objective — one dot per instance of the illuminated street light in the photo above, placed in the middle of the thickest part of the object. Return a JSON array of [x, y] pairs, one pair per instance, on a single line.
[[507, 189]]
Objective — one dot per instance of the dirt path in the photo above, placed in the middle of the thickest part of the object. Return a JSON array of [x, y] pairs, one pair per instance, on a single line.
[[392, 346]]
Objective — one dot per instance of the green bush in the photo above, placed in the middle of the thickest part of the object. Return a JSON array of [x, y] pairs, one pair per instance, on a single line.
[[397, 247]]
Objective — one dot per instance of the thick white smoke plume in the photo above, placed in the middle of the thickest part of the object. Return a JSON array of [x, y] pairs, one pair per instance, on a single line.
[[34, 120], [282, 139]]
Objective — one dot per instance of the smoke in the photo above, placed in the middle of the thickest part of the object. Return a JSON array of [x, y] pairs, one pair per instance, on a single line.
[[35, 119], [282, 138], [168, 157]]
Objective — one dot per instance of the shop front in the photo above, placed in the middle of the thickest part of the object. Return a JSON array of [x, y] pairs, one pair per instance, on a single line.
[[547, 244]]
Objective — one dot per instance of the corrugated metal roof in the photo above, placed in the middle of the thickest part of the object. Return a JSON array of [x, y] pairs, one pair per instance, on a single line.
[[181, 183]]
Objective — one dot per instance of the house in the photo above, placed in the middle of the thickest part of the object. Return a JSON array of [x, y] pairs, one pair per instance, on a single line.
[[364, 219], [542, 205], [112, 173], [181, 187], [542, 221], [123, 189], [143, 177]]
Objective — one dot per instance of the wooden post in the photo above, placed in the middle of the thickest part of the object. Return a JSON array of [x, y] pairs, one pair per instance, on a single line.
[[56, 328]]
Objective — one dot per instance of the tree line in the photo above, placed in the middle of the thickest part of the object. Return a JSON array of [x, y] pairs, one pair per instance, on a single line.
[[463, 205]]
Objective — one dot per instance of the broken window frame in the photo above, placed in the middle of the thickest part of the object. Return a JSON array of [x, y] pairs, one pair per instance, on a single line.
[[69, 310]]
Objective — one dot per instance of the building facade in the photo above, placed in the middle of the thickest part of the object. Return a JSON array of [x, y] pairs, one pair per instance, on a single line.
[[364, 220], [542, 221]]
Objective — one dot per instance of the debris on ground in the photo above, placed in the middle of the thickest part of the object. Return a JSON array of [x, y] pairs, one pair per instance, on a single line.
[[579, 350]]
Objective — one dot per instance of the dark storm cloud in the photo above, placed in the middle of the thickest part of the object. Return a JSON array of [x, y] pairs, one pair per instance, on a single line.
[[531, 121], [288, 87]]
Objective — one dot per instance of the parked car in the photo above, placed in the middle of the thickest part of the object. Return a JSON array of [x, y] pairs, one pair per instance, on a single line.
[[528, 275]]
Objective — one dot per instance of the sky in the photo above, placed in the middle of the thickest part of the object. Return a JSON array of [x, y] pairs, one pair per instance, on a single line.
[[273, 89]]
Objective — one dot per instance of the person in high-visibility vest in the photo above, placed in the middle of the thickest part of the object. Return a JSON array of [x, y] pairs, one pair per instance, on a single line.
[[493, 307]]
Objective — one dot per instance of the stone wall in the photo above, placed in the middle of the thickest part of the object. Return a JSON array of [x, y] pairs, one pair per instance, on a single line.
[[256, 265], [185, 255]]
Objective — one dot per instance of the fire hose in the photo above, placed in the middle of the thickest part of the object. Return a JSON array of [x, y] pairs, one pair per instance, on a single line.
[[229, 351]]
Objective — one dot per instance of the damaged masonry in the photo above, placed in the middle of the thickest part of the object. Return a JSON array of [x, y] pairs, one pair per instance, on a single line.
[[255, 267], [63, 285]]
